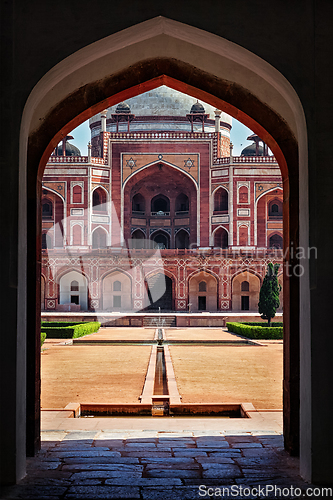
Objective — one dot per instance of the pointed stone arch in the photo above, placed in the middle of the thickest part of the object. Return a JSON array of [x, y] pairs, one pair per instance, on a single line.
[[262, 98]]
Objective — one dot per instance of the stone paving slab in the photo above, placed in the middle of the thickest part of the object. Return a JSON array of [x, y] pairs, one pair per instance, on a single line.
[[87, 470], [103, 492]]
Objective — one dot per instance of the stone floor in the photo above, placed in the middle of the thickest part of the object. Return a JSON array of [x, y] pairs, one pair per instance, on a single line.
[[151, 464]]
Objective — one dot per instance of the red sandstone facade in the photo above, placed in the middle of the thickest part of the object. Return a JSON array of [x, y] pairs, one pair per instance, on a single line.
[[159, 218]]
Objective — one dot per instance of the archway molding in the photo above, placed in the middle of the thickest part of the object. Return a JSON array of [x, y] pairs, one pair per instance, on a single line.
[[221, 73], [247, 270], [211, 294], [158, 162], [54, 192]]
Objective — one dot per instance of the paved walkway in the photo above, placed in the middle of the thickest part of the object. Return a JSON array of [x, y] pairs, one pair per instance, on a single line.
[[160, 458]]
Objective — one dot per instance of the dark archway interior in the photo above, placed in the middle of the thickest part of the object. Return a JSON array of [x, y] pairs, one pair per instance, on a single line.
[[160, 203], [160, 292]]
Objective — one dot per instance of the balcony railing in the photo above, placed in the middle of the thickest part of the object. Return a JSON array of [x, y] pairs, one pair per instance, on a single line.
[[245, 159]]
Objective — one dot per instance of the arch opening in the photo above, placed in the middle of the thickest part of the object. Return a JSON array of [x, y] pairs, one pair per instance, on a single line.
[[216, 99]]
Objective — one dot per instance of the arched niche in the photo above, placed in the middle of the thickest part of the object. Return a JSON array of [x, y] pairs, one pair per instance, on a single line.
[[182, 239], [242, 299], [275, 209], [53, 213], [159, 292], [99, 199], [138, 204], [220, 200], [138, 239], [160, 239], [182, 204], [179, 191], [243, 194], [275, 241], [47, 209], [71, 293], [99, 238], [203, 292], [221, 238], [160, 204], [117, 292]]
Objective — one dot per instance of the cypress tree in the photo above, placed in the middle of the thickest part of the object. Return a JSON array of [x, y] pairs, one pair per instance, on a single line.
[[269, 293]]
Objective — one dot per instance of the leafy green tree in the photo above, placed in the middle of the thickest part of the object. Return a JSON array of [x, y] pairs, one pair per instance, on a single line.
[[269, 293]]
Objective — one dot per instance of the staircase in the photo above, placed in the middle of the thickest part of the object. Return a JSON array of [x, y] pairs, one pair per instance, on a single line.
[[156, 321]]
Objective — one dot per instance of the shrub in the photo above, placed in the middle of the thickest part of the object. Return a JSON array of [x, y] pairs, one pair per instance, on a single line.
[[71, 331], [42, 338], [256, 331], [269, 293]]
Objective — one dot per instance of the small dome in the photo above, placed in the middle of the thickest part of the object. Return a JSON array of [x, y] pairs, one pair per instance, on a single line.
[[251, 150], [197, 108], [123, 108], [71, 150]]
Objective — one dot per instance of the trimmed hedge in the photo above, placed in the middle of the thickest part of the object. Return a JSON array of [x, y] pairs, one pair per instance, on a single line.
[[256, 331], [42, 338], [54, 324], [72, 331], [273, 323]]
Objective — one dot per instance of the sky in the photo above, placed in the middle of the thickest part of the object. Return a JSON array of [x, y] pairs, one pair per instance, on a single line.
[[239, 133]]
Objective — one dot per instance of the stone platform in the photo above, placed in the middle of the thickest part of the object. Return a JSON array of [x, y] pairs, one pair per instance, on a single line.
[[203, 319]]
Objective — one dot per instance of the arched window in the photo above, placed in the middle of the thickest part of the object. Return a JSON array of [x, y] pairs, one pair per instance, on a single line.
[[46, 241], [77, 194], [182, 203], [202, 286], [160, 203], [99, 238], [182, 239], [221, 238], [275, 209], [221, 200], [161, 240], [117, 286], [138, 203], [243, 194], [276, 241], [74, 286], [47, 209], [99, 200], [137, 239], [245, 286]]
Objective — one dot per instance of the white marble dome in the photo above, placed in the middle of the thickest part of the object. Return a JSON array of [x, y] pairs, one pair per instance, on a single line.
[[159, 102]]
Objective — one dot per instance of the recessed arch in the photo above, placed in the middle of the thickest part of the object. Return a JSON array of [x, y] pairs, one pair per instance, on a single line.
[[242, 299], [158, 162], [99, 237], [262, 98], [116, 287], [46, 188], [99, 197], [160, 286], [220, 198], [138, 239], [268, 191], [182, 239], [69, 296], [203, 298], [220, 237]]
